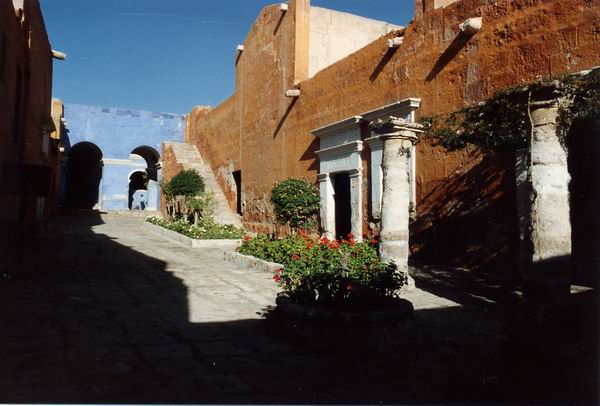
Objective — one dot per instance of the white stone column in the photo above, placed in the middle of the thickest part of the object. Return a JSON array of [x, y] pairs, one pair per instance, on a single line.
[[398, 139], [327, 205], [544, 214], [356, 202], [523, 196], [376, 147], [153, 195]]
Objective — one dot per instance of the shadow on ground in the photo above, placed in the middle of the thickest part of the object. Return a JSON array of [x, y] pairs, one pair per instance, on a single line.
[[100, 322]]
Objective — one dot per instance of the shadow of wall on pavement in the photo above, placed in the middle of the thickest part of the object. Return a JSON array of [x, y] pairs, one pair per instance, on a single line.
[[103, 323]]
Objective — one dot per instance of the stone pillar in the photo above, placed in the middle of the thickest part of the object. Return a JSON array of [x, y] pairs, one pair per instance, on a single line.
[[544, 213], [398, 139], [327, 205], [376, 147], [153, 195], [356, 202]]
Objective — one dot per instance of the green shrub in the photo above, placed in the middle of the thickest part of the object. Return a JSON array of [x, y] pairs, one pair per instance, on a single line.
[[295, 201], [280, 251], [206, 229], [185, 183], [345, 272]]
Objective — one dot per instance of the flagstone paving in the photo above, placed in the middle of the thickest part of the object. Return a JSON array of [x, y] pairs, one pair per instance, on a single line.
[[106, 312]]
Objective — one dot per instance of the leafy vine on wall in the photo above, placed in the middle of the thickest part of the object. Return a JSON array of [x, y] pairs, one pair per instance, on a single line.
[[502, 122]]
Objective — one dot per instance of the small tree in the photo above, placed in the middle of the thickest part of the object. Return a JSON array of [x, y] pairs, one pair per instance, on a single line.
[[295, 201], [182, 187], [185, 183], [199, 206]]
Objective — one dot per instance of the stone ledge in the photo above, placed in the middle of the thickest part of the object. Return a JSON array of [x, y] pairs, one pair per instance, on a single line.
[[191, 242], [248, 261]]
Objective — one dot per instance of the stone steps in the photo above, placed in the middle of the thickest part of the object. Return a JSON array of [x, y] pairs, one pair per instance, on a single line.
[[188, 156]]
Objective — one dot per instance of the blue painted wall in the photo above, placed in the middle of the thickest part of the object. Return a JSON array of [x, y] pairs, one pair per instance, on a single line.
[[117, 132]]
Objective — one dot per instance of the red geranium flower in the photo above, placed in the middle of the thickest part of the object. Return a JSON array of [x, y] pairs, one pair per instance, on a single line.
[[247, 238], [278, 270], [277, 277], [350, 236]]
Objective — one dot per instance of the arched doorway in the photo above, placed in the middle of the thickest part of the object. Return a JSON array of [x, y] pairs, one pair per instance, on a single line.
[[84, 172], [145, 180], [138, 190]]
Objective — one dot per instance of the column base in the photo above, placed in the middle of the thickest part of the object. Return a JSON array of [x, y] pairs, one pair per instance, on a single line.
[[547, 282], [396, 252]]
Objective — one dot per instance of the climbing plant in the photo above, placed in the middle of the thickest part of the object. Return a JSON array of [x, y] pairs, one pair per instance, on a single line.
[[502, 121], [295, 201]]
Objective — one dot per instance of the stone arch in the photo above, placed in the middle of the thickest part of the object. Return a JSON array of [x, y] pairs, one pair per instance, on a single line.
[[84, 175], [152, 158], [152, 173]]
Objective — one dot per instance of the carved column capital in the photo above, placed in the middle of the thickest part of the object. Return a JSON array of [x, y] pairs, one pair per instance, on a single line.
[[396, 128], [322, 177]]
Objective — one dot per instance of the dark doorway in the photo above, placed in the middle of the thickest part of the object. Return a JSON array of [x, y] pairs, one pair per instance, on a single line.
[[584, 167], [137, 181], [84, 172], [343, 209], [237, 177]]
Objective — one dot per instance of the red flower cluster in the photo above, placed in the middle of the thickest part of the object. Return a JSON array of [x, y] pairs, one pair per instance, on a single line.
[[277, 276], [247, 238], [335, 244]]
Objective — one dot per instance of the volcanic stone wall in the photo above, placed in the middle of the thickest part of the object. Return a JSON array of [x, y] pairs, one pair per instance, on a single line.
[[465, 200]]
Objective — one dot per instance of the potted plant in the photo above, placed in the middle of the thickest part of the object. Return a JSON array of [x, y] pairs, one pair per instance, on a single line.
[[338, 296]]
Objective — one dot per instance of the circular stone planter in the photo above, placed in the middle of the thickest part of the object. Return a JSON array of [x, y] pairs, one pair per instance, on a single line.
[[341, 331]]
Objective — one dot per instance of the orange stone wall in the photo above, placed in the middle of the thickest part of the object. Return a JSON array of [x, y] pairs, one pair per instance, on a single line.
[[465, 200], [170, 168]]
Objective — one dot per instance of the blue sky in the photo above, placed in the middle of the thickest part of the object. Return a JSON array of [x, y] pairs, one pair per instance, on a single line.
[[163, 55]]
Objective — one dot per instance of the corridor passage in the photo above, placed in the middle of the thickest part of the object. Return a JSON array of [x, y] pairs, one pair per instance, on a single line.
[[106, 312]]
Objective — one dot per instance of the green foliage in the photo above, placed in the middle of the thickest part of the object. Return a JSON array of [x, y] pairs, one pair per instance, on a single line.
[[280, 251], [196, 203], [199, 205], [499, 123], [343, 272], [185, 183], [295, 201], [583, 104], [206, 229], [502, 122]]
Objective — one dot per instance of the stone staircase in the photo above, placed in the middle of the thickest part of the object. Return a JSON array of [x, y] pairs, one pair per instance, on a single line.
[[188, 156]]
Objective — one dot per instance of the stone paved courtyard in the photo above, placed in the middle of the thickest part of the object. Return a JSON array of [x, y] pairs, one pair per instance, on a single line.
[[107, 312]]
